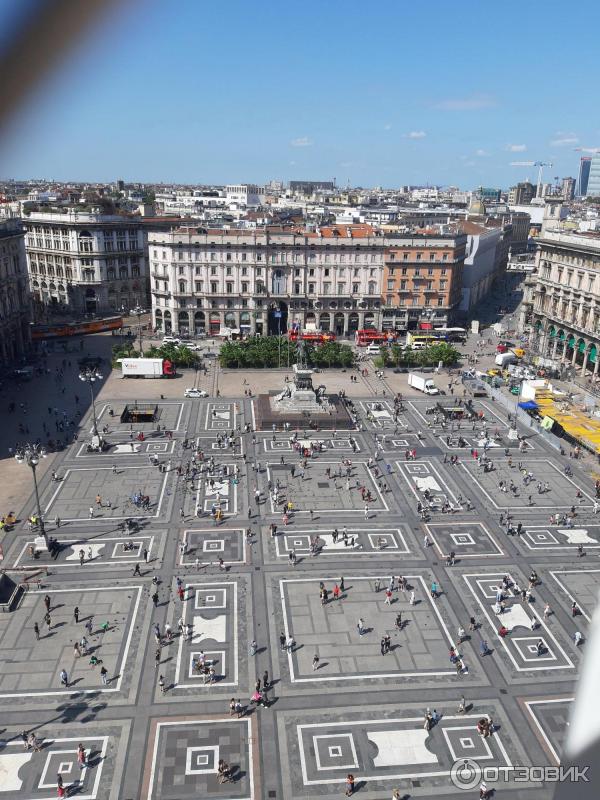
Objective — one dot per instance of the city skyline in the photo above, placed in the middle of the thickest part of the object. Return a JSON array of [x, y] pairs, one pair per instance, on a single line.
[[152, 96]]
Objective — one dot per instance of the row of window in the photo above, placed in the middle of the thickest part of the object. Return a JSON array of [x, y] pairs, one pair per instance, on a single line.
[[340, 271], [275, 258], [241, 303], [415, 301], [67, 272], [419, 256], [572, 280], [85, 245], [49, 269], [10, 266], [416, 272], [46, 231], [260, 288], [391, 285]]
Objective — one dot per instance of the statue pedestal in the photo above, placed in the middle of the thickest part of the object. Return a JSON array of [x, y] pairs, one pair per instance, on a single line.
[[301, 400]]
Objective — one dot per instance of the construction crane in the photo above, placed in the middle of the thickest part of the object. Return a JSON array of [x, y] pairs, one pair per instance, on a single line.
[[540, 165]]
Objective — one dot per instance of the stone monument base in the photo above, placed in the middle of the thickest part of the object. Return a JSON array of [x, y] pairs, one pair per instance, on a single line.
[[303, 413]]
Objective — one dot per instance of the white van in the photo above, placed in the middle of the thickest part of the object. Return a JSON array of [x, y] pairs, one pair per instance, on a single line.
[[373, 349]]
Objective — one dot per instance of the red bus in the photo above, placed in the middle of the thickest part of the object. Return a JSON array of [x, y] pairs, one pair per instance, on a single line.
[[315, 337], [368, 336]]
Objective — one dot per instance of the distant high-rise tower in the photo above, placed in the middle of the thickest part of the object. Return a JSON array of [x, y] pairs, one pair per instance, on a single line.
[[593, 183], [584, 174], [568, 188]]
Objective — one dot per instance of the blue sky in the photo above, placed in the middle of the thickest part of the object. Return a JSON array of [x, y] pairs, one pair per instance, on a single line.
[[372, 94]]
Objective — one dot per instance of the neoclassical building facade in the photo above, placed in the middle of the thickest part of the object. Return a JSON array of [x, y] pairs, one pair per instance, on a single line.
[[565, 301], [15, 304], [338, 278], [264, 281], [86, 263]]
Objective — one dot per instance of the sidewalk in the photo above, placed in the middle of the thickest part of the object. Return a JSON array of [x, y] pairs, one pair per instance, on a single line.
[[37, 396]]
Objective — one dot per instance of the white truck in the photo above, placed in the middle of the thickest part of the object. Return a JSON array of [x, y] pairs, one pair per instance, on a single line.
[[146, 368], [422, 382], [504, 359]]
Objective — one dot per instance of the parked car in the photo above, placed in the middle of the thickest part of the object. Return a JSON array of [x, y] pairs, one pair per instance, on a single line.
[[170, 340], [186, 343], [195, 393]]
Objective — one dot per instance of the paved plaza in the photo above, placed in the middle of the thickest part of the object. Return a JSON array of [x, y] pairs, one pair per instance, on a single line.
[[104, 493], [354, 611]]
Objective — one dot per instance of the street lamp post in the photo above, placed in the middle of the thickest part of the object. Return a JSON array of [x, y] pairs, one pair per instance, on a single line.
[[30, 454], [138, 313], [89, 375]]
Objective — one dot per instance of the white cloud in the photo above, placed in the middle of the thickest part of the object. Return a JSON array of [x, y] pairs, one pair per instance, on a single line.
[[469, 164], [387, 127], [472, 103], [292, 163], [415, 135], [516, 148], [588, 149], [481, 152], [302, 141], [565, 139]]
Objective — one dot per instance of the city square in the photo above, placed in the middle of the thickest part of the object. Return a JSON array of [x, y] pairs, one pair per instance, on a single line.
[[224, 631], [220, 627], [189, 608]]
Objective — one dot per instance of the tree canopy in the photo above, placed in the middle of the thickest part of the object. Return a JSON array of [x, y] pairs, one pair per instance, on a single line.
[[259, 352]]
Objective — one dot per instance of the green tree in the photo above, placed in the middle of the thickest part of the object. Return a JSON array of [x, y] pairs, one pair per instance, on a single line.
[[271, 351]]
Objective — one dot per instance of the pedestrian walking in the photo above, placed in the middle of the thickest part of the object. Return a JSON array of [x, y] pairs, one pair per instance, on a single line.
[[104, 675], [76, 614], [315, 662], [64, 678], [47, 602], [161, 683], [36, 629], [349, 785], [81, 756], [360, 625], [89, 625]]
